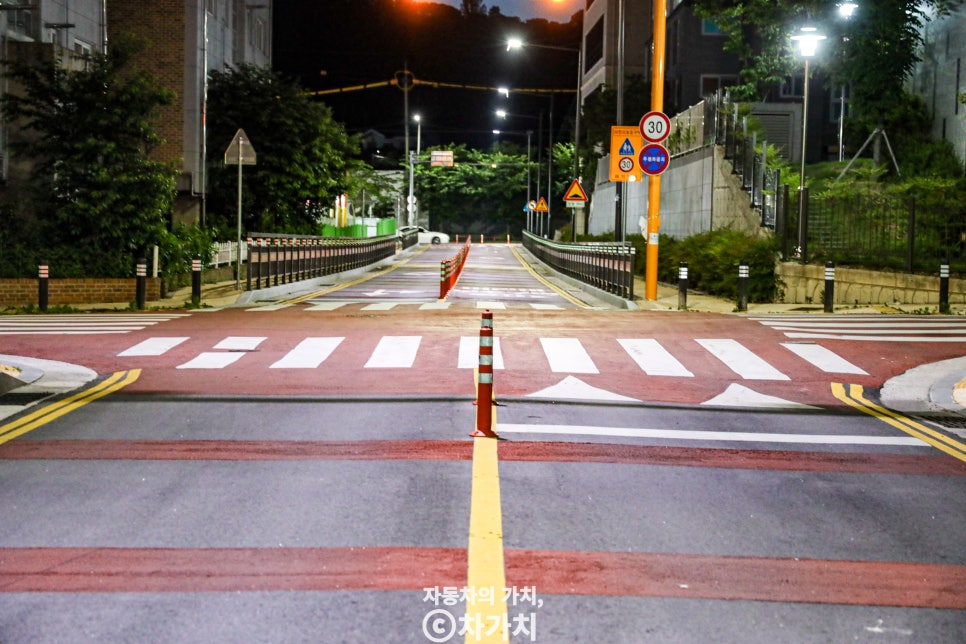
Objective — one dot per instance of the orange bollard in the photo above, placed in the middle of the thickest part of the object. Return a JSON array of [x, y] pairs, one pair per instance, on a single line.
[[484, 387]]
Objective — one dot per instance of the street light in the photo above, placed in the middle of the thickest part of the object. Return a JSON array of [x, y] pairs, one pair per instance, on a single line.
[[419, 132], [846, 10], [503, 114], [808, 39], [518, 43]]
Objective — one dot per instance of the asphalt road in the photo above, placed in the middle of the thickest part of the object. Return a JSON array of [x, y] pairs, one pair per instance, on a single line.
[[300, 470]]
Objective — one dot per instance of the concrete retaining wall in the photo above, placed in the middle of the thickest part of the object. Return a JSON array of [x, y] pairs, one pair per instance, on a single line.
[[805, 284]]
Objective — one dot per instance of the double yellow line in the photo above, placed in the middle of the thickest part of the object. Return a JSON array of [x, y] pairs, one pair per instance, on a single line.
[[855, 397], [47, 413]]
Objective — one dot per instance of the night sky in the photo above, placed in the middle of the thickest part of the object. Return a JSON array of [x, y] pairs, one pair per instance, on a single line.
[[346, 43]]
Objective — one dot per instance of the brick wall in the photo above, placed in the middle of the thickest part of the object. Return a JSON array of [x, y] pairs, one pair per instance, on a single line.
[[162, 24], [24, 291]]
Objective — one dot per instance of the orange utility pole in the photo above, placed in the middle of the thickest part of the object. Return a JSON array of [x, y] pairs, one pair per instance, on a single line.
[[654, 181]]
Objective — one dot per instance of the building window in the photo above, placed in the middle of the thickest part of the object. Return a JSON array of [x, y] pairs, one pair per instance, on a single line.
[[710, 84], [709, 28], [594, 45], [793, 87]]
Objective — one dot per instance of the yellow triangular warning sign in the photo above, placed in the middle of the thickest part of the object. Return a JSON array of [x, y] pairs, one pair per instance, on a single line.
[[575, 192], [542, 205]]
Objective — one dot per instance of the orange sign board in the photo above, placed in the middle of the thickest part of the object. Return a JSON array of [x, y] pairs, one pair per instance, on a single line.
[[625, 144], [575, 192], [542, 205]]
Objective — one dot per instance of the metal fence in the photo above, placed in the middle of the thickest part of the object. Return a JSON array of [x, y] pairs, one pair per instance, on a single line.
[[283, 259], [876, 231], [871, 229], [608, 266]]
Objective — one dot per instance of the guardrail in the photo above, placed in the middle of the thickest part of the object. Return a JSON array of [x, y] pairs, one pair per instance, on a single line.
[[450, 269], [283, 259], [608, 266]]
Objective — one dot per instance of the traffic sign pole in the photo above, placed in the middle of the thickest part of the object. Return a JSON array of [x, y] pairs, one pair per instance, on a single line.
[[654, 181]]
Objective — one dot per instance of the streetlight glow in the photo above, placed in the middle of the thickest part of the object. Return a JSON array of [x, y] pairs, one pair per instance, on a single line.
[[514, 43], [808, 39]]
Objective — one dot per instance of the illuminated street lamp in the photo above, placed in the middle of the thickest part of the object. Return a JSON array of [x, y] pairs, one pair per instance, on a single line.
[[518, 43], [846, 11], [419, 132], [807, 39]]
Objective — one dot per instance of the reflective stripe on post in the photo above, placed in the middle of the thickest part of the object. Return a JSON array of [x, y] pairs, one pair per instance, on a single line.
[[682, 286], [43, 286], [944, 288], [140, 287], [743, 286], [484, 386], [829, 286], [196, 280]]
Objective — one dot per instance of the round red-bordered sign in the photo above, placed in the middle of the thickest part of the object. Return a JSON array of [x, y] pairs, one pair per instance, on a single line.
[[654, 159], [655, 127]]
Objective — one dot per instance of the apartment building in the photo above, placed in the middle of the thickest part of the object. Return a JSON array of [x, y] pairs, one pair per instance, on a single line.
[[185, 40]]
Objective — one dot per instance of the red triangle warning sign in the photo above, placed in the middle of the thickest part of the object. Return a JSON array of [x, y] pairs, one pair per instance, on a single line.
[[575, 192], [542, 205]]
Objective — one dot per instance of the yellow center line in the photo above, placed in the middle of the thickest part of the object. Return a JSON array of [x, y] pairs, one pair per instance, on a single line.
[[44, 415], [567, 296], [486, 613], [365, 278], [855, 397]]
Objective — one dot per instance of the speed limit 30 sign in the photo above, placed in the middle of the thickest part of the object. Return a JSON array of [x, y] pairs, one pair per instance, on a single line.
[[655, 127]]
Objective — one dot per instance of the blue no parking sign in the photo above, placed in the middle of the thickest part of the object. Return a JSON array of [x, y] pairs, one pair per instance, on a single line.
[[654, 159]]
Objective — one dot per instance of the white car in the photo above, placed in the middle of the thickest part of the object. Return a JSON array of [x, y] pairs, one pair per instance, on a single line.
[[424, 236]]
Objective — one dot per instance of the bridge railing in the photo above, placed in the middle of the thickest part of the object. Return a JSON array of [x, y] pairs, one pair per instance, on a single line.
[[608, 266], [275, 259]]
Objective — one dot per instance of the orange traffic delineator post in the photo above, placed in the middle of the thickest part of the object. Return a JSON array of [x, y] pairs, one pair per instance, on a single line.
[[484, 385]]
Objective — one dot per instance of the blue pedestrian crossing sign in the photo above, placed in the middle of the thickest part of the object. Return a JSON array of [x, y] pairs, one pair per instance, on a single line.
[[627, 149]]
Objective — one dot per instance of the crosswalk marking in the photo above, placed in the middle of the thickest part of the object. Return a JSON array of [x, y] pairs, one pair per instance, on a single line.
[[152, 347], [563, 355], [394, 352], [240, 343], [493, 306], [435, 306], [823, 358], [232, 349], [326, 306], [308, 354], [654, 359], [380, 306], [545, 307], [469, 353], [82, 324], [567, 355], [741, 360], [270, 307], [871, 328]]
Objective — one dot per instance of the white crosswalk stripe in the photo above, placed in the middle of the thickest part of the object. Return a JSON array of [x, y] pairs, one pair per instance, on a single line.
[[567, 355], [873, 328], [741, 360], [394, 352], [308, 354], [823, 358], [563, 355], [152, 347], [82, 324], [653, 358]]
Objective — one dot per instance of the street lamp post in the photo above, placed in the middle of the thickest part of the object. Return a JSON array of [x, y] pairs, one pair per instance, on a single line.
[[846, 10], [503, 114], [808, 39], [419, 132], [517, 43]]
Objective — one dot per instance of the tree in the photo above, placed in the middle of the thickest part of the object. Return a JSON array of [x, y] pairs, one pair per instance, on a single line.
[[96, 200], [875, 52], [304, 155]]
